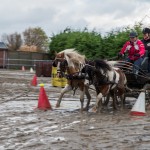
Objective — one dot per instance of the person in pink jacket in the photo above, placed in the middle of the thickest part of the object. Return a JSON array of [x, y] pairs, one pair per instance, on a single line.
[[135, 50]]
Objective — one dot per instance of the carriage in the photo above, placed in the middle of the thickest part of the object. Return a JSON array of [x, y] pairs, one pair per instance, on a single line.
[[138, 80]]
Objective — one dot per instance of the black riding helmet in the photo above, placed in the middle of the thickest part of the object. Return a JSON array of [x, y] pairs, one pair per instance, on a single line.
[[146, 30], [133, 34]]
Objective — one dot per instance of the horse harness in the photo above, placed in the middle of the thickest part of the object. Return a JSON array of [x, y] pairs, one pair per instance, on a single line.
[[113, 82], [103, 79], [70, 76]]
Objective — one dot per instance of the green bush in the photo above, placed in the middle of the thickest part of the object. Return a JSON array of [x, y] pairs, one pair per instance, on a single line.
[[92, 44]]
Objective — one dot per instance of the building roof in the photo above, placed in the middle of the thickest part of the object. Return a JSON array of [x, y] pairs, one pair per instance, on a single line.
[[3, 46]]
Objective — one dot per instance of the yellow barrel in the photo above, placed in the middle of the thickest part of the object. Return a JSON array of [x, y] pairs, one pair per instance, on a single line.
[[58, 82]]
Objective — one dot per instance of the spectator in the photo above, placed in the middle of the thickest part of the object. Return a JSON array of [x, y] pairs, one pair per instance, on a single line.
[[146, 42], [135, 49]]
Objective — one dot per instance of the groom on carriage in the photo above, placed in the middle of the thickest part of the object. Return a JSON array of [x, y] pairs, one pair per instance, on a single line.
[[136, 51]]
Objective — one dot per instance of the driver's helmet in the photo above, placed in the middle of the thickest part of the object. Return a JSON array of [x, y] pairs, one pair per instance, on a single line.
[[133, 34], [146, 30]]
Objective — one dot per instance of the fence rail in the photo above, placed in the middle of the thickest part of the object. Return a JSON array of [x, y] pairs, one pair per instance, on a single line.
[[18, 63]]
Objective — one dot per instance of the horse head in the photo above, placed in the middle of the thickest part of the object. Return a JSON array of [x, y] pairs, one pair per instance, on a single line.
[[62, 67], [59, 59], [88, 71], [71, 59]]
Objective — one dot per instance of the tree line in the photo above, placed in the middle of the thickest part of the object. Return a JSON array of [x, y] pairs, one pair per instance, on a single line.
[[90, 43]]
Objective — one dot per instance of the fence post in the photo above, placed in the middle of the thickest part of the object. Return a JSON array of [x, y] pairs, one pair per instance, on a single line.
[[8, 63], [34, 64]]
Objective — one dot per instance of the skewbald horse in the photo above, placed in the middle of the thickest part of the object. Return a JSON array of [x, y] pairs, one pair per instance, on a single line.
[[107, 80], [74, 62]]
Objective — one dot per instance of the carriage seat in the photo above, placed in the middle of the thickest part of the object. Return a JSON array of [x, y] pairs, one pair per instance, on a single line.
[[144, 64]]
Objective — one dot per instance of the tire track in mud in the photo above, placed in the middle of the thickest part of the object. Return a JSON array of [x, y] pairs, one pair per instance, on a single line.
[[12, 92]]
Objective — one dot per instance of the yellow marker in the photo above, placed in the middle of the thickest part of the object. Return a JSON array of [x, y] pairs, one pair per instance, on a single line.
[[56, 81], [41, 85]]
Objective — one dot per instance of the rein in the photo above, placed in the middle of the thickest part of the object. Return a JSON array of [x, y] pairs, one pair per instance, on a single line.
[[75, 76]]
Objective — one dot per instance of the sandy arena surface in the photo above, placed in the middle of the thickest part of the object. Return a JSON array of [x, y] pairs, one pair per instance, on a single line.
[[22, 127]]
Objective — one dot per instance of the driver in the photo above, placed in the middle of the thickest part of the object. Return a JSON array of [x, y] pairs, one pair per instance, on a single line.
[[135, 49]]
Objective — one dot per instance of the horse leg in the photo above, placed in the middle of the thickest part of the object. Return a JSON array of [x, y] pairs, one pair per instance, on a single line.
[[107, 98], [88, 98], [63, 91], [117, 99], [82, 99], [99, 108], [114, 97], [122, 97], [98, 104], [121, 93]]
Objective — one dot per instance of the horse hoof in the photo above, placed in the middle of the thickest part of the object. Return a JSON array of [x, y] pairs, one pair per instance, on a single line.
[[57, 105], [94, 109], [81, 110], [85, 109], [115, 108]]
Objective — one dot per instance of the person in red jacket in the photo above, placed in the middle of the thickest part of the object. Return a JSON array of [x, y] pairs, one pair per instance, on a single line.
[[135, 49]]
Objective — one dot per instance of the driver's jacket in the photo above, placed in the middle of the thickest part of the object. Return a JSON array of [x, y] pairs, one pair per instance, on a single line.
[[133, 48]]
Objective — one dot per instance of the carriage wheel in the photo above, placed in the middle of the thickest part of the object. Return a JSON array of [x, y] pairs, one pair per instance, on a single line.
[[147, 97], [147, 94]]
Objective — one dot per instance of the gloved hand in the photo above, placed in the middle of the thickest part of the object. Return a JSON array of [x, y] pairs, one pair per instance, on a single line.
[[136, 47], [120, 55], [128, 47], [137, 55]]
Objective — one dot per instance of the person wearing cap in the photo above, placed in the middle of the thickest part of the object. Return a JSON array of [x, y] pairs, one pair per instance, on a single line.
[[135, 50], [146, 42]]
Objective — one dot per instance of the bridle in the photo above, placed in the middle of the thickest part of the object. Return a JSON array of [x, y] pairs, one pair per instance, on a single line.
[[57, 63], [62, 67]]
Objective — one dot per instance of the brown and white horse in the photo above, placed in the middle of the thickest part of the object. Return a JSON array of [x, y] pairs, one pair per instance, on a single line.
[[107, 80], [74, 62]]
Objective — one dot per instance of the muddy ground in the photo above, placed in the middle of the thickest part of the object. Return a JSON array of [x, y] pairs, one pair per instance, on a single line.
[[22, 127]]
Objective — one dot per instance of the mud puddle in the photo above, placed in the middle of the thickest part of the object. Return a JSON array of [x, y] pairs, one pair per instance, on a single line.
[[22, 127]]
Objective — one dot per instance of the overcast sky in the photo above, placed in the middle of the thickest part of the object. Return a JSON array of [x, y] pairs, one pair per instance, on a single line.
[[54, 16]]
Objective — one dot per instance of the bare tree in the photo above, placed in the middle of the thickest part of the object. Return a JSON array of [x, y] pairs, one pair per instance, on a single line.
[[36, 37], [13, 41]]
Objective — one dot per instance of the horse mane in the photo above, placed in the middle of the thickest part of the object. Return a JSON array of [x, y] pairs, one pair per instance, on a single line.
[[97, 72], [73, 57], [102, 65]]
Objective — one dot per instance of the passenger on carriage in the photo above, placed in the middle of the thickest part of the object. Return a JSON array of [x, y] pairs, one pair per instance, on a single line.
[[146, 42], [135, 50]]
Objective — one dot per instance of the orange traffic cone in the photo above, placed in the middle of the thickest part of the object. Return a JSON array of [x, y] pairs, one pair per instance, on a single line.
[[34, 81], [43, 102], [23, 68], [139, 106]]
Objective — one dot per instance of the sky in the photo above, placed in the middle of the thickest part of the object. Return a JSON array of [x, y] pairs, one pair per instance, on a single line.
[[53, 16]]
